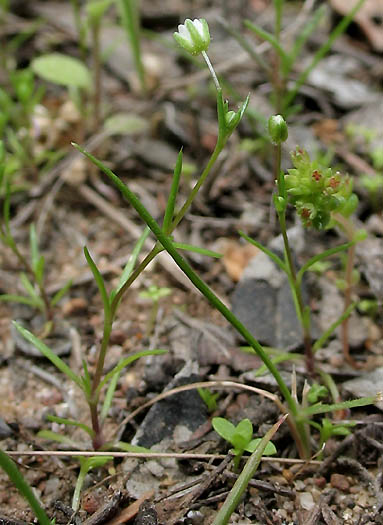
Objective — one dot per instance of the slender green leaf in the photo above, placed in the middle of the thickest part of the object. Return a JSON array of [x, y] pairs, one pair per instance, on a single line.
[[196, 249], [99, 281], [131, 262], [319, 408], [28, 286], [60, 294], [278, 261], [322, 51], [127, 447], [39, 270], [131, 22], [325, 336], [109, 395], [70, 422], [125, 362], [321, 256], [59, 438], [300, 41], [34, 248], [47, 352], [285, 356], [22, 486], [169, 212], [265, 35], [21, 299]]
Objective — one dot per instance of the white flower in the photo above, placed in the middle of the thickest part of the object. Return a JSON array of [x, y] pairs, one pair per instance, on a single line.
[[193, 36]]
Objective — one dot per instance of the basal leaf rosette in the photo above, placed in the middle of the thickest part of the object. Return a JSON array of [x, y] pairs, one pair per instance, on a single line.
[[317, 192]]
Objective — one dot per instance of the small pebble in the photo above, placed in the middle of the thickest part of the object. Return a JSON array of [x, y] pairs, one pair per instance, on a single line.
[[320, 482], [340, 482], [306, 500]]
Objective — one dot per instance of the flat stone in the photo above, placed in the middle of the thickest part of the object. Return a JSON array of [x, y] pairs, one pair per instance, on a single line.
[[366, 385]]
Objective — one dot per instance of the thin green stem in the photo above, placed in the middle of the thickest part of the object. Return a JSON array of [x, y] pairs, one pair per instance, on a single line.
[[212, 72], [294, 283], [96, 75]]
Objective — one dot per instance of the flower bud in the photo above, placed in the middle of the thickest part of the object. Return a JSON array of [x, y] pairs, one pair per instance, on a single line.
[[277, 129], [193, 36]]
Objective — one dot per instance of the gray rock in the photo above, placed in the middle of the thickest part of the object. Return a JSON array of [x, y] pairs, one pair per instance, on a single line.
[[5, 430], [366, 385]]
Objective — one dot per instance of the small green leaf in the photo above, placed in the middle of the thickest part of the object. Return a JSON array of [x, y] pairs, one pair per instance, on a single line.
[[270, 449], [109, 394], [224, 428], [244, 429], [63, 70]]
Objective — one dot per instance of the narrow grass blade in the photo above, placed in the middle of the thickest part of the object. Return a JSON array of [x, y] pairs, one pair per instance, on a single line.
[[22, 486], [196, 249], [127, 447], [47, 352], [70, 422], [278, 261], [60, 294], [169, 212], [99, 281], [39, 270], [244, 478]]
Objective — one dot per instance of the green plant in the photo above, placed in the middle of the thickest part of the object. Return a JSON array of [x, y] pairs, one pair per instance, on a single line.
[[374, 186], [32, 278], [209, 398], [23, 487], [286, 59], [241, 437], [154, 294], [86, 464], [130, 19], [240, 486], [227, 121]]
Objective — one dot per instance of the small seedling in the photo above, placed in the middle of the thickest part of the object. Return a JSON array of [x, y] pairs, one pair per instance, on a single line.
[[154, 293], [209, 398], [241, 437]]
